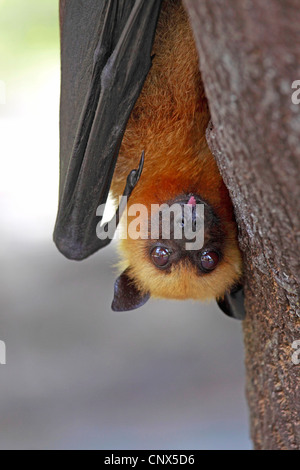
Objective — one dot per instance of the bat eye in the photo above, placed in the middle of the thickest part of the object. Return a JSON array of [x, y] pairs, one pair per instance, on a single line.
[[160, 256], [209, 260]]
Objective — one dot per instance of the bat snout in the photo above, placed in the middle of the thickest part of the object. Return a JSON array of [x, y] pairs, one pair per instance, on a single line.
[[187, 218]]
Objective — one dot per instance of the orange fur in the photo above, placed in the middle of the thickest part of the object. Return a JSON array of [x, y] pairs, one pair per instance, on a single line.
[[169, 122]]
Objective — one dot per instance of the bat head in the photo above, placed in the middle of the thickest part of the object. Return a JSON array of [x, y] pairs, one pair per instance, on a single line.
[[184, 250]]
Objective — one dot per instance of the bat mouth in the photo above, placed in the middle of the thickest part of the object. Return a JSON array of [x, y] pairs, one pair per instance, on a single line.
[[190, 199]]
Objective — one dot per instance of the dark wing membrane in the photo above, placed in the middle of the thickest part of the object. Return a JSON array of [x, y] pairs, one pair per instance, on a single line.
[[105, 47]]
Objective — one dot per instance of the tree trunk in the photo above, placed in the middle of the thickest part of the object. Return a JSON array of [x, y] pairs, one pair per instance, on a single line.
[[249, 57]]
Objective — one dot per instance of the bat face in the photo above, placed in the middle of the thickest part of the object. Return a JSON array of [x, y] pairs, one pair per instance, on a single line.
[[185, 230], [169, 267]]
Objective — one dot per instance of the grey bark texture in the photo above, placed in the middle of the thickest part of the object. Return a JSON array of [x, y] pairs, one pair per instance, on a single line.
[[249, 52]]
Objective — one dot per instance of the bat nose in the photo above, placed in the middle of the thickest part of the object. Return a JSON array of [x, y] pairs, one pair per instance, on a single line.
[[187, 221], [189, 224], [192, 217]]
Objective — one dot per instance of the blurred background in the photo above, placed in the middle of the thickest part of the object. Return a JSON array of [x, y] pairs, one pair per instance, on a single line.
[[78, 376]]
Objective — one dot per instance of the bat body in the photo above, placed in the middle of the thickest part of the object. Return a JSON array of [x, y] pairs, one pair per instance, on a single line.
[[168, 123]]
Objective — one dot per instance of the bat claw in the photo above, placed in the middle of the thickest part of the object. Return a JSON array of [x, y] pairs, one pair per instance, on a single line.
[[135, 175]]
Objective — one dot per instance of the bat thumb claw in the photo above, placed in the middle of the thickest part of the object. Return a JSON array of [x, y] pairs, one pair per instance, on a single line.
[[135, 175], [141, 166]]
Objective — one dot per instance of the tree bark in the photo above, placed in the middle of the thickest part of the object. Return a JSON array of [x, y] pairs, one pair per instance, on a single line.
[[249, 54]]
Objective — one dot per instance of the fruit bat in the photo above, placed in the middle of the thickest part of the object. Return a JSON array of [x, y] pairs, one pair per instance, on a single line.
[[133, 118]]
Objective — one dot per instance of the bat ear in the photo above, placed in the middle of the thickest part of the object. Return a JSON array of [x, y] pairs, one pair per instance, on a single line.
[[233, 303], [126, 295]]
